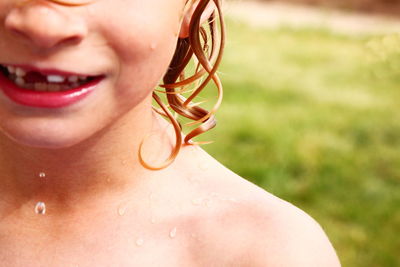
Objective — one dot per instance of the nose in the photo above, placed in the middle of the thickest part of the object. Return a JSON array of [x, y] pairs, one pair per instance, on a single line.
[[44, 25]]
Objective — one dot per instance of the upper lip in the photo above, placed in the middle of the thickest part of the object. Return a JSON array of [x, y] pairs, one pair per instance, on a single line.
[[49, 70]]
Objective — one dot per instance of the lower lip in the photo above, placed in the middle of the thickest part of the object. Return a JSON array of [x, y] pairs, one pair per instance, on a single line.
[[60, 99]]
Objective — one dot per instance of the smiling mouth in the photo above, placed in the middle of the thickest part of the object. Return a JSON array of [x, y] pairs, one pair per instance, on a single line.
[[41, 82]]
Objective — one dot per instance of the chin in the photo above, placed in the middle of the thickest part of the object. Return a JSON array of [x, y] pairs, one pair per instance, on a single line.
[[43, 143], [35, 137]]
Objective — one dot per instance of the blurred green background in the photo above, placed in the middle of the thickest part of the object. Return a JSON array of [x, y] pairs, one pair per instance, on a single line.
[[313, 117]]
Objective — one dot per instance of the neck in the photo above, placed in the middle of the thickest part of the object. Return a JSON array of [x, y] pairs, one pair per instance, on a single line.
[[104, 164]]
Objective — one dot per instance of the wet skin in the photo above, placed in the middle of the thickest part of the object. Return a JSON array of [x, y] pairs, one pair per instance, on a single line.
[[102, 207]]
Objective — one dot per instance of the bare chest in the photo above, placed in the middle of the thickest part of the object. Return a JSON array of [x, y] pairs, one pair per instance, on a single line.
[[95, 244], [138, 251]]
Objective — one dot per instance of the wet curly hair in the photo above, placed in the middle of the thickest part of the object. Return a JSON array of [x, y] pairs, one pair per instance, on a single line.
[[204, 47]]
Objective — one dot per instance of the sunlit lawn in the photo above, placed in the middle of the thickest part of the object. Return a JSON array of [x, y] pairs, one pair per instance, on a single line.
[[309, 117]]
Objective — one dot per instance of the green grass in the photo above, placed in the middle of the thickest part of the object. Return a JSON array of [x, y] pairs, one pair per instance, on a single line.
[[314, 118]]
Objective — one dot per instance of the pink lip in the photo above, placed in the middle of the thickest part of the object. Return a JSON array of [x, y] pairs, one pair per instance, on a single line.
[[46, 99]]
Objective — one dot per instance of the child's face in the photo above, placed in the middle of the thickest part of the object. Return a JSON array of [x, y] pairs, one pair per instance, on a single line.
[[130, 42]]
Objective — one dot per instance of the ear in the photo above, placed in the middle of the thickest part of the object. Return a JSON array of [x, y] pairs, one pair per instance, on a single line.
[[188, 14]]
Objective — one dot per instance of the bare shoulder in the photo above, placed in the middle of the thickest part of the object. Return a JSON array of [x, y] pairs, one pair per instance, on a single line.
[[247, 226], [272, 232]]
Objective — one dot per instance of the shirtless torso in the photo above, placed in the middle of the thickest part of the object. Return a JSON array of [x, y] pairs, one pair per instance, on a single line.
[[205, 216], [102, 207]]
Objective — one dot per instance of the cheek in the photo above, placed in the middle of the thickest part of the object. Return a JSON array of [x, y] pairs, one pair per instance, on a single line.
[[134, 30], [146, 57], [143, 63], [142, 47]]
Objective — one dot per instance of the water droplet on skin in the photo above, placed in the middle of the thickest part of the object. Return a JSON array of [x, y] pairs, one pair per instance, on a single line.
[[151, 196], [42, 175], [213, 194], [124, 162], [203, 166], [194, 179], [153, 220], [153, 46], [139, 242], [207, 201], [195, 236], [172, 233], [122, 210], [197, 201], [232, 199], [108, 180], [40, 208]]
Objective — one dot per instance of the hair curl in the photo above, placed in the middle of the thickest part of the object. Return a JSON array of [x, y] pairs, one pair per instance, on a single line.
[[205, 45]]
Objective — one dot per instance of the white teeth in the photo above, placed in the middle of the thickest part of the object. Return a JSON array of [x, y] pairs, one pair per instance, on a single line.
[[20, 72], [54, 82], [20, 81], [73, 79], [11, 69], [55, 78]]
